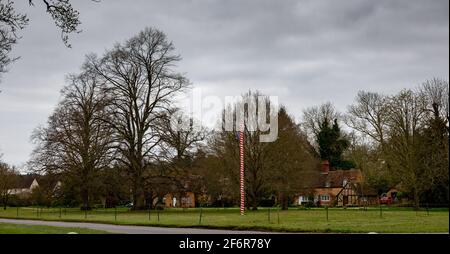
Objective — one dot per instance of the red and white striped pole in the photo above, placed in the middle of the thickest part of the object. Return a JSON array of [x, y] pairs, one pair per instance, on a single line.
[[241, 153]]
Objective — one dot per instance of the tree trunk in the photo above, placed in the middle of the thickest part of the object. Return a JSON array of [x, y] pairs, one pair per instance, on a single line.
[[138, 195], [138, 201], [283, 201], [416, 199], [148, 200], [247, 201], [85, 198], [5, 200], [254, 203]]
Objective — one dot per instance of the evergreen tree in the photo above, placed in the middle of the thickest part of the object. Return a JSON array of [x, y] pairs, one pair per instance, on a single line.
[[332, 145], [433, 159]]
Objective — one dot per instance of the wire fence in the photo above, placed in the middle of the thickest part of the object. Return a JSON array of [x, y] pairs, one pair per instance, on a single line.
[[406, 219]]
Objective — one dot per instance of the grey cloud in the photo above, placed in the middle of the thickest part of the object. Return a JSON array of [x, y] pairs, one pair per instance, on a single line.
[[306, 51]]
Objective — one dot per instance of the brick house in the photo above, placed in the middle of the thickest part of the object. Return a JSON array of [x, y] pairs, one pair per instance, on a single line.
[[172, 192], [184, 200], [338, 188]]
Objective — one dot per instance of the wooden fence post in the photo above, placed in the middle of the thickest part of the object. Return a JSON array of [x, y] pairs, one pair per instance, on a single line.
[[200, 219], [278, 214]]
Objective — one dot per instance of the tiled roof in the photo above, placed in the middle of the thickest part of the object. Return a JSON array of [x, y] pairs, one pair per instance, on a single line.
[[24, 181], [335, 178]]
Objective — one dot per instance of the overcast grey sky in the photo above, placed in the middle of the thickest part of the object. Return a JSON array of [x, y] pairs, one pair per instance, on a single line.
[[306, 52]]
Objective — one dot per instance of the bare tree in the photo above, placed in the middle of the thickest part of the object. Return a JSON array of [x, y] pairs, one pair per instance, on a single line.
[[281, 167], [140, 77], [7, 181], [77, 141], [410, 134], [66, 18], [405, 118], [10, 23], [369, 115], [225, 146], [179, 143], [436, 92], [433, 143], [313, 118]]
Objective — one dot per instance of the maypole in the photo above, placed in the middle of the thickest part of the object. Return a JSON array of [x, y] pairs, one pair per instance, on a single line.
[[241, 155]]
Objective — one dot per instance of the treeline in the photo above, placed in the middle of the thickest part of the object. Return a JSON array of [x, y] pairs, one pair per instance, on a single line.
[[114, 115], [274, 171], [404, 140], [111, 139], [398, 140]]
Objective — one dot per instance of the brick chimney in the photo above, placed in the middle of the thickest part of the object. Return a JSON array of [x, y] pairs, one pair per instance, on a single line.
[[325, 167]]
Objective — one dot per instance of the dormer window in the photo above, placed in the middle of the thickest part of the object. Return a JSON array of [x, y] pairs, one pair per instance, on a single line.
[[327, 184]]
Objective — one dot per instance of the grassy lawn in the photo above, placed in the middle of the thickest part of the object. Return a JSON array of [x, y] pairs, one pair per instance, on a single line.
[[7, 228], [355, 220]]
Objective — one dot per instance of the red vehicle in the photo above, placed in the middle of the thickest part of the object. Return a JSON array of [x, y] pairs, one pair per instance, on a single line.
[[385, 200]]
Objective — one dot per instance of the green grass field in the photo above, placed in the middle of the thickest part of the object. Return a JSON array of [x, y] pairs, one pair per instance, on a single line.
[[7, 228], [350, 220]]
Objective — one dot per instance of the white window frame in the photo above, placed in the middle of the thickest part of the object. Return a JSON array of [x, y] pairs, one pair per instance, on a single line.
[[325, 197]]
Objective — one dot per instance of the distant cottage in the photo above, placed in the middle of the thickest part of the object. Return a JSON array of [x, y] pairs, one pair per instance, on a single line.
[[24, 186], [172, 193], [338, 188]]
